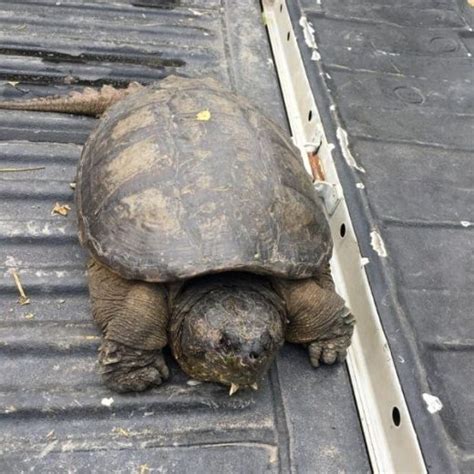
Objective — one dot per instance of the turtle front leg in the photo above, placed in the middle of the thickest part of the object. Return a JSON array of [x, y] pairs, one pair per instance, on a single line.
[[317, 317], [133, 317]]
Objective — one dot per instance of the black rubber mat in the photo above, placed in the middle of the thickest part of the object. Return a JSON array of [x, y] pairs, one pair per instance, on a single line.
[[55, 414], [397, 77]]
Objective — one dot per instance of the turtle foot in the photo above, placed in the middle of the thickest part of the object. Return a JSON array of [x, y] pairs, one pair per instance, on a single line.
[[333, 347], [125, 369]]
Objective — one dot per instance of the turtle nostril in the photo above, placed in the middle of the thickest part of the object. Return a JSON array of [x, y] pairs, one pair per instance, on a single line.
[[254, 355], [224, 342]]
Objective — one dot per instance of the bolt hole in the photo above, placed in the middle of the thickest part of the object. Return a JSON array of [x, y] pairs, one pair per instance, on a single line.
[[396, 416], [310, 115], [342, 230], [281, 7], [288, 36]]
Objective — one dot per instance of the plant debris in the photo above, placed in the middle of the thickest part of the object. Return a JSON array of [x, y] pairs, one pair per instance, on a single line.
[[23, 298], [61, 209], [122, 431], [203, 116], [107, 402], [72, 185], [143, 469], [29, 316], [317, 169], [20, 170]]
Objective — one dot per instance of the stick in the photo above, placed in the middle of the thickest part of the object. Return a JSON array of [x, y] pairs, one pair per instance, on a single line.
[[23, 298], [19, 170]]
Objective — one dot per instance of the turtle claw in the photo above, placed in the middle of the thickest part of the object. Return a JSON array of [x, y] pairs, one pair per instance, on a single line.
[[160, 364], [233, 389], [332, 349], [328, 352], [125, 369]]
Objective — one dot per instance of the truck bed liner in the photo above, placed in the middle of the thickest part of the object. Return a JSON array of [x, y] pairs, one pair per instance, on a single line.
[[397, 77], [55, 413]]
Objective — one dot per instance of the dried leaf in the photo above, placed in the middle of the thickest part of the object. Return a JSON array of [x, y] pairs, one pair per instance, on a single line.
[[317, 169], [72, 185], [13, 83], [203, 116], [61, 209], [29, 316]]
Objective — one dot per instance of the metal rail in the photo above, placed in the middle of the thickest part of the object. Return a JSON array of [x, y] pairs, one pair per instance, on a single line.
[[389, 433]]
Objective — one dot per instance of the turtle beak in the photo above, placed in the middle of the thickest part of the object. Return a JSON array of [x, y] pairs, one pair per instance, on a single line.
[[233, 389]]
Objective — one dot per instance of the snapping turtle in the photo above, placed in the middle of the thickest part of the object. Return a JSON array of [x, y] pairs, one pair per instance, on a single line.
[[205, 234]]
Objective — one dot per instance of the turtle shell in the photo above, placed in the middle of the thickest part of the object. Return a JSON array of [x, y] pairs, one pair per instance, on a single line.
[[185, 178]]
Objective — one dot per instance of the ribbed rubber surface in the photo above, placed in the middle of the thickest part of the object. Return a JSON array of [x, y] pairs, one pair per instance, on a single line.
[[52, 412], [398, 76]]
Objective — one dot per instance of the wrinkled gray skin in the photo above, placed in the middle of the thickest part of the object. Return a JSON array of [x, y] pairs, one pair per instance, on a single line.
[[205, 233]]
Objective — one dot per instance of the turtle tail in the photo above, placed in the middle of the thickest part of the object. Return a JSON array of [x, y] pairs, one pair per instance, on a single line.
[[90, 101]]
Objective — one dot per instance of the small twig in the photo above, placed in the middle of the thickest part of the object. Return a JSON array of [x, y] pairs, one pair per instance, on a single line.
[[23, 298], [19, 170]]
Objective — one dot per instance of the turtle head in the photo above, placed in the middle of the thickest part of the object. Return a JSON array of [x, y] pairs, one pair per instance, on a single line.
[[230, 333]]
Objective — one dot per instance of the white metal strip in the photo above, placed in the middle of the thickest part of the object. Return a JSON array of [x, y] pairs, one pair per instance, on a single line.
[[389, 433]]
